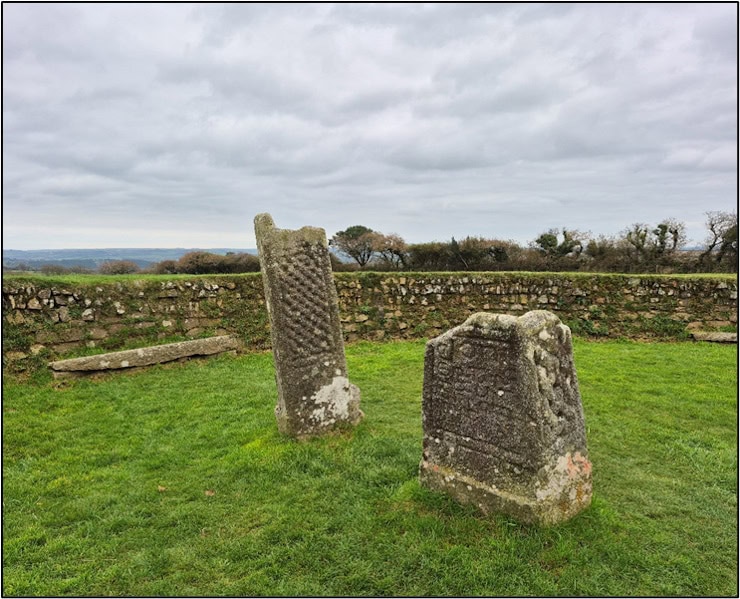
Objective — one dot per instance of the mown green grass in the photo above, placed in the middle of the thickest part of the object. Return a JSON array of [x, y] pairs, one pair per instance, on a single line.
[[174, 481], [99, 279]]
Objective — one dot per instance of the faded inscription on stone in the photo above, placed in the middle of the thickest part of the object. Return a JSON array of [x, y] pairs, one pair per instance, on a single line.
[[502, 418], [314, 393]]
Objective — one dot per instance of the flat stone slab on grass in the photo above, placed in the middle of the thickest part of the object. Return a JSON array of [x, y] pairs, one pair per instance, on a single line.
[[715, 337], [145, 356]]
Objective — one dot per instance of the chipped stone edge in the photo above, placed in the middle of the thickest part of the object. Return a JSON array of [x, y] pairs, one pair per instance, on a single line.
[[548, 509], [340, 399]]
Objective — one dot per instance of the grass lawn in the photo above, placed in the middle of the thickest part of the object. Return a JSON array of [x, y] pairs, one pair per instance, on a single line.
[[174, 481], [37, 278]]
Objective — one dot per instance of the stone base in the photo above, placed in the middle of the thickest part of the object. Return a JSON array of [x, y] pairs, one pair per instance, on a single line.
[[551, 509], [334, 406]]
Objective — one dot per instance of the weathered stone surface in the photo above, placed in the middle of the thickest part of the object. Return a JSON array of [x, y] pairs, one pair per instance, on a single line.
[[147, 356], [314, 393], [715, 337], [502, 418], [73, 334], [15, 317]]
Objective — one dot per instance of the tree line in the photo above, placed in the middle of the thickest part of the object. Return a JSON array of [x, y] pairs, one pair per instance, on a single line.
[[197, 263], [638, 249]]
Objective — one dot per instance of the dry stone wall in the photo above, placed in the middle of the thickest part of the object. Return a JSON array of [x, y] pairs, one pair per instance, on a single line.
[[52, 318], [425, 305]]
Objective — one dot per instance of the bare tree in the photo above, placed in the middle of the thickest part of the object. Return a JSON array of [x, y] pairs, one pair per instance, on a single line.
[[669, 236], [722, 239], [549, 244], [392, 249], [650, 246], [637, 243]]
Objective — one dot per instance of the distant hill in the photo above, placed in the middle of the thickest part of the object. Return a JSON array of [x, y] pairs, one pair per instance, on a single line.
[[93, 258]]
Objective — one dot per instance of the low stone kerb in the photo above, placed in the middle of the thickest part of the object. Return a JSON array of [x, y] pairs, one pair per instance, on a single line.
[[146, 356]]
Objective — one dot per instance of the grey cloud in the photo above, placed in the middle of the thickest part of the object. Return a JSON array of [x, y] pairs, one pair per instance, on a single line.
[[717, 36], [181, 121]]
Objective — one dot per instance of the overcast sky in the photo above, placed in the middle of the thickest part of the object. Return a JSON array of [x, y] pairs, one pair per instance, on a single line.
[[166, 125]]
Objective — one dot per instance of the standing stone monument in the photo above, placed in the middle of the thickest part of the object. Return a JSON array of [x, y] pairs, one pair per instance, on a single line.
[[314, 394], [502, 418]]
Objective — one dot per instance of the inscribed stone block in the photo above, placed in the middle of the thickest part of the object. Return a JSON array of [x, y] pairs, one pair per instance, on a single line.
[[502, 418]]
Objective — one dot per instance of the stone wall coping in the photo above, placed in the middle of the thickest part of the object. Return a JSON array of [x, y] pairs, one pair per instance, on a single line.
[[715, 337]]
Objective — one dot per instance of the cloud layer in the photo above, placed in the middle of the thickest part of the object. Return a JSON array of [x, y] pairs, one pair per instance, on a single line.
[[173, 125]]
